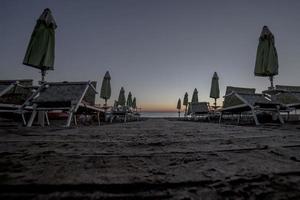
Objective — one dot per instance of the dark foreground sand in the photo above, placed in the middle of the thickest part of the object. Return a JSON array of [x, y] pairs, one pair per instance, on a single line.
[[152, 159]]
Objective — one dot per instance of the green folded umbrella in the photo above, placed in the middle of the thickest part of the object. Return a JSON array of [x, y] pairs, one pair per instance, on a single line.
[[266, 56], [106, 88], [115, 103], [179, 106], [185, 102], [121, 99], [195, 96], [134, 103], [214, 89], [40, 50], [129, 100]]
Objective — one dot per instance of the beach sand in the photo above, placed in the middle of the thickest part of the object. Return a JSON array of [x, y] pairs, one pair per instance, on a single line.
[[151, 159]]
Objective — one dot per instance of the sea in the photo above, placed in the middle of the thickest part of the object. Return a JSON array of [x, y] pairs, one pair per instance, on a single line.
[[160, 114]]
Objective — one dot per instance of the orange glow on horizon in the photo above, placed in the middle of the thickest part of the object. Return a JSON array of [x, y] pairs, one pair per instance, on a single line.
[[158, 108], [170, 107]]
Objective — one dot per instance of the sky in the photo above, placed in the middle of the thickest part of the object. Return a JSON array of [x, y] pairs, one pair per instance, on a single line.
[[157, 49]]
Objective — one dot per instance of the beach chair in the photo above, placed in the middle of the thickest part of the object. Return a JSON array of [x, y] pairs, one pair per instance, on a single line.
[[71, 97], [289, 96], [244, 100], [198, 109], [119, 112], [15, 96]]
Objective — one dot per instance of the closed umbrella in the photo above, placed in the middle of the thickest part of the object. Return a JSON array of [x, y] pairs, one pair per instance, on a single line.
[[106, 88], [121, 99], [134, 103], [266, 57], [129, 100], [195, 96], [179, 106], [185, 102], [41, 47], [214, 89], [115, 104]]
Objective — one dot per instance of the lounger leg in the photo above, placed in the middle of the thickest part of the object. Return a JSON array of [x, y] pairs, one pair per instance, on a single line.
[[255, 118], [75, 120], [33, 114], [98, 117], [280, 118], [41, 118], [220, 118], [69, 119], [47, 118], [24, 120], [239, 118]]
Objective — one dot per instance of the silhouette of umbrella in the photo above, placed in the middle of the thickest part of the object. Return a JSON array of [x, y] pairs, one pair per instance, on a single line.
[[121, 99], [266, 57], [134, 103], [179, 106], [40, 50], [185, 102], [214, 89], [195, 96], [129, 100], [115, 104], [106, 88]]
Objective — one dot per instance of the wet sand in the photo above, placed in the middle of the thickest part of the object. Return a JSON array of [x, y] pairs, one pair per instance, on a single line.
[[151, 159]]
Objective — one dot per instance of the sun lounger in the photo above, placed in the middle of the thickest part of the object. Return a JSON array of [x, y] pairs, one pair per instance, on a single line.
[[196, 110], [119, 112], [15, 96], [71, 97], [240, 100], [288, 96]]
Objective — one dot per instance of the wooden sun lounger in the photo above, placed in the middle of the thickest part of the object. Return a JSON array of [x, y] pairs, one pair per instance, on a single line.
[[71, 97], [15, 96], [289, 96], [119, 112], [239, 100], [199, 109]]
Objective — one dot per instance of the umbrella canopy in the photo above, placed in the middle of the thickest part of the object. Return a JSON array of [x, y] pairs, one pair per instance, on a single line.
[[129, 100], [134, 103], [186, 99], [179, 104], [214, 89], [40, 50], [106, 88], [266, 56], [195, 96], [115, 104], [121, 99]]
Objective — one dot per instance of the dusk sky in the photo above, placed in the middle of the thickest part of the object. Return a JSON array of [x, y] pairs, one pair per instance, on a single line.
[[157, 49]]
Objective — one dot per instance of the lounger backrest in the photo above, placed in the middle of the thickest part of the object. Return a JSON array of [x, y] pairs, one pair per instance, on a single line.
[[198, 108], [62, 94], [287, 98], [90, 95], [289, 94], [256, 99], [232, 100], [288, 88], [18, 94], [239, 90]]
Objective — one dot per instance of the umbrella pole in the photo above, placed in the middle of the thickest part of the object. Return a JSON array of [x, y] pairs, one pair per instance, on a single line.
[[271, 80], [43, 72], [105, 109], [215, 103]]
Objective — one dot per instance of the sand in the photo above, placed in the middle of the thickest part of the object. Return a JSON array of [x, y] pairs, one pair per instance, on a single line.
[[151, 159]]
